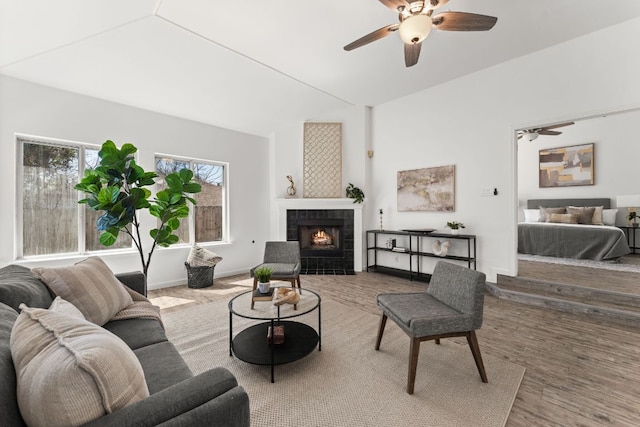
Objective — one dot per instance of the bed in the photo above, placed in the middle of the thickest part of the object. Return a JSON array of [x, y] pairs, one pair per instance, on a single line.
[[552, 237]]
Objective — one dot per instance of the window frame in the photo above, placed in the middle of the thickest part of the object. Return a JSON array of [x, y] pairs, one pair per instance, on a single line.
[[225, 199], [20, 140]]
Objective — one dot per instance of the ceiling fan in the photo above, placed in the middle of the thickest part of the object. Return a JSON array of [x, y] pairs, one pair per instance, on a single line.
[[531, 134], [417, 19]]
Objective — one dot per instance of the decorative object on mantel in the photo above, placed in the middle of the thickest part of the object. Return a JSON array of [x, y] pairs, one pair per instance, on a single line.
[[291, 189], [566, 166], [440, 249], [428, 189], [355, 193], [322, 160], [455, 226], [631, 203]]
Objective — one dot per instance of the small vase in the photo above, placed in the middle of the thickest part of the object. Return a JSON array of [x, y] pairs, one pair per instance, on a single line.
[[455, 231], [263, 287]]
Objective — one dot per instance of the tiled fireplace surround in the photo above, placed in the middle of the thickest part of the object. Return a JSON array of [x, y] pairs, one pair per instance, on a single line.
[[293, 211]]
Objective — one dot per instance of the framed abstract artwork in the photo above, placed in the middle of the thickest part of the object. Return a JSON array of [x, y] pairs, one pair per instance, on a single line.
[[566, 166], [428, 189]]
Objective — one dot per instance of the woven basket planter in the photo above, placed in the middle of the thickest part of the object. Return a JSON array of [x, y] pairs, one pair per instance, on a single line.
[[199, 277]]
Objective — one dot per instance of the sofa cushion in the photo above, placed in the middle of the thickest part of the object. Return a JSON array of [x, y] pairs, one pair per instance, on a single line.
[[18, 285], [137, 333], [162, 365], [89, 285], [71, 371], [8, 400]]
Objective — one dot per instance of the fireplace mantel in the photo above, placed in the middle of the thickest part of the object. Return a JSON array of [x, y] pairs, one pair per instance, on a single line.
[[283, 205]]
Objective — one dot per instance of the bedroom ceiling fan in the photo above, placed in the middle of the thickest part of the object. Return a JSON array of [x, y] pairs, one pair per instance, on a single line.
[[531, 134], [417, 20]]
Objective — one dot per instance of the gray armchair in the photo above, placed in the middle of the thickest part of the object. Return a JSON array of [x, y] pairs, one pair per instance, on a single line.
[[284, 259], [452, 306]]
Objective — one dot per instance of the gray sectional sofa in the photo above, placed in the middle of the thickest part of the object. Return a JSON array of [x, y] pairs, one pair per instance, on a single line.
[[177, 397]]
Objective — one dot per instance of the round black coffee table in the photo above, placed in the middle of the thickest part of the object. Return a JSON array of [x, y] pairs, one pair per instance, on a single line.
[[250, 344]]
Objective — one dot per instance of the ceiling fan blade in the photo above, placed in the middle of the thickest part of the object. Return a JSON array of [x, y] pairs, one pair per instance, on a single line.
[[411, 54], [549, 132], [371, 37], [395, 4], [558, 125], [463, 21]]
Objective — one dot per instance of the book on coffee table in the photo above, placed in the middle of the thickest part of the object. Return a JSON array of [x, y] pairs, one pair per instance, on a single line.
[[259, 296]]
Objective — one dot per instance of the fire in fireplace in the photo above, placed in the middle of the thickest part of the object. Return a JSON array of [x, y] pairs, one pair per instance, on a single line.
[[321, 239]]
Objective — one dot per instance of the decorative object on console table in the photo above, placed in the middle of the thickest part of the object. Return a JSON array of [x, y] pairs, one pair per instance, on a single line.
[[455, 226], [631, 203], [428, 189], [381, 227]]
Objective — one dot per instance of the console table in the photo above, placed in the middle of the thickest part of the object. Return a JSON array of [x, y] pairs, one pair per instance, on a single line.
[[376, 242]]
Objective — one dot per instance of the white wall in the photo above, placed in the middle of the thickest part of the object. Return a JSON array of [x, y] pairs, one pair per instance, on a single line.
[[615, 153], [470, 122], [42, 111]]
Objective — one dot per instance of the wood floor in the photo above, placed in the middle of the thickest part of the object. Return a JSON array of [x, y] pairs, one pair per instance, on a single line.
[[579, 371]]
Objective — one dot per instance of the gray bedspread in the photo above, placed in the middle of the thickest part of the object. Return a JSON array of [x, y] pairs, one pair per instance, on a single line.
[[572, 241]]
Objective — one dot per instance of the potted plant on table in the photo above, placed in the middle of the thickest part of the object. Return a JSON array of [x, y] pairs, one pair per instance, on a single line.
[[263, 275], [455, 226], [632, 217]]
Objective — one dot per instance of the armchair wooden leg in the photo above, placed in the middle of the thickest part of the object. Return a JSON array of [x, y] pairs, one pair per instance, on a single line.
[[475, 349], [414, 351], [383, 322], [299, 286], [255, 286]]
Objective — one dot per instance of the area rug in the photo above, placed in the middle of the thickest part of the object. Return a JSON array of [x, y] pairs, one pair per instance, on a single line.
[[348, 383], [617, 265]]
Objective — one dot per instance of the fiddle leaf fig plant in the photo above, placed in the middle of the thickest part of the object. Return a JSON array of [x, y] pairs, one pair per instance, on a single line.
[[117, 187]]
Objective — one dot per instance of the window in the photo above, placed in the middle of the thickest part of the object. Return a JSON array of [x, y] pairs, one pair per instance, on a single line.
[[207, 221], [52, 221]]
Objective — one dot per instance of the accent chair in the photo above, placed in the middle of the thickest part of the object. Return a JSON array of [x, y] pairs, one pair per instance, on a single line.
[[284, 259], [452, 306]]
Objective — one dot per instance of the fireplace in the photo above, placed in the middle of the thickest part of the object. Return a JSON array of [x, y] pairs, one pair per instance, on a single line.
[[321, 237], [326, 239]]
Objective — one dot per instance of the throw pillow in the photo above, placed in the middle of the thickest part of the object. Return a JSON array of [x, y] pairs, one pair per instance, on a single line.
[[60, 305], [597, 215], [201, 257], [531, 215], [545, 211], [89, 285], [584, 215], [562, 218], [609, 216], [70, 371]]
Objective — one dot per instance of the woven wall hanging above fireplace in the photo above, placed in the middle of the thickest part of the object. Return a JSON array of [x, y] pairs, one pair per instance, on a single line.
[[322, 160]]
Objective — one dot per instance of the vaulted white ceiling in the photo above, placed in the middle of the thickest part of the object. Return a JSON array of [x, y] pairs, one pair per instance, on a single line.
[[257, 65]]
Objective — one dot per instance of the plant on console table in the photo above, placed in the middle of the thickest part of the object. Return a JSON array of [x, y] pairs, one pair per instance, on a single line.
[[632, 217], [117, 187], [455, 226]]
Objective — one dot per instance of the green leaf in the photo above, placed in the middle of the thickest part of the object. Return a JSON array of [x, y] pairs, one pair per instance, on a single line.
[[174, 182], [185, 175], [108, 239], [128, 149], [192, 187], [173, 223], [108, 195]]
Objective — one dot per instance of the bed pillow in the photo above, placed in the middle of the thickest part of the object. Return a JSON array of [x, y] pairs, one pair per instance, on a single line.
[[597, 215], [70, 371], [609, 216], [89, 285], [545, 211], [584, 215], [562, 218], [531, 215]]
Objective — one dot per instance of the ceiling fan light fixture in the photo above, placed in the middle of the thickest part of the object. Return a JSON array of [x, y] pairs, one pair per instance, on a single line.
[[415, 28], [530, 136]]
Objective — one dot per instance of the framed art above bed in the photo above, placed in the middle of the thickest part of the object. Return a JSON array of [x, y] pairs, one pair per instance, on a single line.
[[566, 166]]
